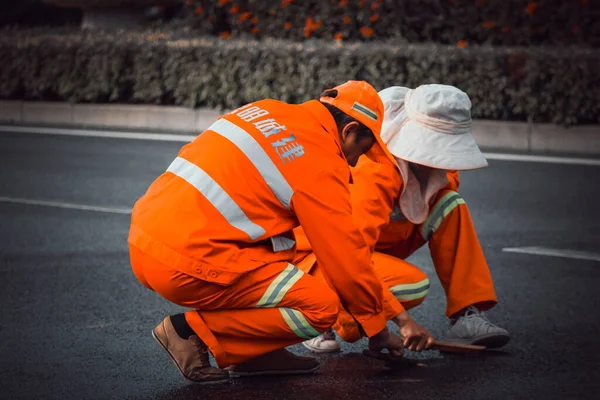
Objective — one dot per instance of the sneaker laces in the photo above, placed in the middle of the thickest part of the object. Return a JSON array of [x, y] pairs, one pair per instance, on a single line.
[[201, 349], [328, 335], [477, 319]]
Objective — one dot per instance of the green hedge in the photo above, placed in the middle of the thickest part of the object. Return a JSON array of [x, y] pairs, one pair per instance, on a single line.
[[505, 84], [498, 22]]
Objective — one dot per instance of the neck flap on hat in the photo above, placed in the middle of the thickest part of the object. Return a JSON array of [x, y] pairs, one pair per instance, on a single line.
[[420, 186]]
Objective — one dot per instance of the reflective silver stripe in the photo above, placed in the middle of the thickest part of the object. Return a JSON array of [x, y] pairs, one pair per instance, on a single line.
[[280, 286], [281, 243], [365, 111], [298, 323], [443, 207], [206, 185], [257, 155], [411, 291]]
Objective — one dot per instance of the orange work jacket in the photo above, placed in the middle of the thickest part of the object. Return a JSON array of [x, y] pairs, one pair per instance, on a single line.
[[229, 201], [375, 192]]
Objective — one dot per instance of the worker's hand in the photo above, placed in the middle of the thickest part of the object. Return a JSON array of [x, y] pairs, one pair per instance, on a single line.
[[416, 338], [385, 340]]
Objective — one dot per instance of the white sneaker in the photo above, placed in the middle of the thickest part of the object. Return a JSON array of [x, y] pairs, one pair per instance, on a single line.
[[324, 343], [474, 328]]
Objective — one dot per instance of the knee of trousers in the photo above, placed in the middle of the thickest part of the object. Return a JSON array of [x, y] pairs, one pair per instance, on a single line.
[[324, 311], [411, 293], [410, 304]]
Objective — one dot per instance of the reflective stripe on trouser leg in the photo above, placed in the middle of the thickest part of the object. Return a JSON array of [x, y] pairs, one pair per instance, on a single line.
[[280, 286], [410, 291], [276, 291], [443, 207], [298, 323]]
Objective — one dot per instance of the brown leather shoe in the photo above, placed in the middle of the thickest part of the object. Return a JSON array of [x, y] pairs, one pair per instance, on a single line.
[[279, 362], [190, 356]]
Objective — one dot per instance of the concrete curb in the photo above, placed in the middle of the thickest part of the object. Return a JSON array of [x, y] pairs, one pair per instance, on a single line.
[[133, 117], [499, 135]]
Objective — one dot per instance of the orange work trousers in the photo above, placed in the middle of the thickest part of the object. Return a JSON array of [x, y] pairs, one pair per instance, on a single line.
[[456, 253], [267, 309], [406, 282]]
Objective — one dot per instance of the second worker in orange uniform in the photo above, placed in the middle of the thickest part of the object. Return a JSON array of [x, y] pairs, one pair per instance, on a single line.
[[403, 205]]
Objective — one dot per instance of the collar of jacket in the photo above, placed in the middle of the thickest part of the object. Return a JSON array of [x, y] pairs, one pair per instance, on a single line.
[[322, 114]]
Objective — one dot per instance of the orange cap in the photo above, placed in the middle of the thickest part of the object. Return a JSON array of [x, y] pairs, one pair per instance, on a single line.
[[361, 101]]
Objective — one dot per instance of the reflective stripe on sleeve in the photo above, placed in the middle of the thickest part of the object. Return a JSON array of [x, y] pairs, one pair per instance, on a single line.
[[443, 207]]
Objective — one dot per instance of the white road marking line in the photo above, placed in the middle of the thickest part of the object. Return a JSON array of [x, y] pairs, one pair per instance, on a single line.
[[164, 137], [542, 159], [544, 251], [58, 204], [174, 137]]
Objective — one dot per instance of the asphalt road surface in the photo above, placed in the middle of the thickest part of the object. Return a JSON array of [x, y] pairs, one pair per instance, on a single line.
[[75, 323]]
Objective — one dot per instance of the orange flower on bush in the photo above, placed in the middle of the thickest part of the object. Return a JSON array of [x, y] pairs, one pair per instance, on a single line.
[[245, 16], [374, 6], [505, 29], [488, 24], [254, 20], [461, 44], [343, 3], [223, 2], [374, 18], [254, 30], [366, 31], [225, 35], [531, 7], [361, 3], [287, 25], [347, 20], [286, 3], [235, 9], [198, 11], [311, 26], [338, 36]]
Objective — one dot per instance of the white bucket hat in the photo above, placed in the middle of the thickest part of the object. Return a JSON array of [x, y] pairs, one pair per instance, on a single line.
[[430, 125]]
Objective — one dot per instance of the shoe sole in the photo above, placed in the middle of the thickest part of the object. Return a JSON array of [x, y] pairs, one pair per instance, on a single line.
[[490, 341], [317, 350], [235, 374], [219, 382]]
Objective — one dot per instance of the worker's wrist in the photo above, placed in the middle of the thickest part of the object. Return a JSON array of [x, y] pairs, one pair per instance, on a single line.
[[402, 318], [392, 307], [373, 324]]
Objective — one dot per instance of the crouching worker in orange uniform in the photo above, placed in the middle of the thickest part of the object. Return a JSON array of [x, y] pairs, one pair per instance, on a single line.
[[214, 234], [402, 207]]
